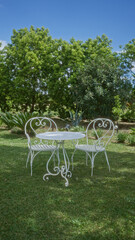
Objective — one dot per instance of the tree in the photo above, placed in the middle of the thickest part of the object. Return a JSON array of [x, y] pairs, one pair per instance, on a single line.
[[41, 70], [67, 58], [5, 84], [128, 59], [117, 109], [101, 79], [38, 72], [27, 61]]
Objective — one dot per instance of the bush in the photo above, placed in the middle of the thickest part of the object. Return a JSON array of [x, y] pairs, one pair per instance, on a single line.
[[75, 118], [50, 113], [132, 131], [17, 130], [77, 129], [7, 118], [131, 140], [129, 113], [20, 119], [99, 133], [117, 109], [0, 121], [17, 120], [121, 137]]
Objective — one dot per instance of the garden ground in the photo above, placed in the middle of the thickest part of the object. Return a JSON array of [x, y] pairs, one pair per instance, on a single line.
[[91, 208]]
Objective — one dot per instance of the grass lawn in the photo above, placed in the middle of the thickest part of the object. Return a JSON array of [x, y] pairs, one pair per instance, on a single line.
[[98, 207]]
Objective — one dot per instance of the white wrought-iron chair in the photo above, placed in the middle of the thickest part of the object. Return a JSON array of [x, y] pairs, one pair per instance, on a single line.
[[103, 130], [32, 127]]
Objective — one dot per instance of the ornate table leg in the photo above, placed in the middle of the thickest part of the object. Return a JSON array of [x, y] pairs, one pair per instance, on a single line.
[[65, 173], [64, 169], [56, 169]]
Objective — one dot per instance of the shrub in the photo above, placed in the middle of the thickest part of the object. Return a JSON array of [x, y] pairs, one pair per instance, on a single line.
[[77, 129], [121, 137], [129, 113], [131, 140], [50, 113], [99, 133], [117, 109], [20, 119], [75, 118], [0, 121], [16, 120], [7, 118], [132, 131], [17, 130]]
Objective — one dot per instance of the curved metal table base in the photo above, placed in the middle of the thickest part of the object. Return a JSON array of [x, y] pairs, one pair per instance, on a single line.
[[64, 169]]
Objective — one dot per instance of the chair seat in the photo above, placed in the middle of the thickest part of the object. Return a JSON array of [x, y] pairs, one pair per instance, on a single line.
[[43, 147], [90, 148]]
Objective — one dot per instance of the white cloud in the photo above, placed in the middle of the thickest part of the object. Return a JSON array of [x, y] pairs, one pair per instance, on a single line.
[[120, 51], [4, 43]]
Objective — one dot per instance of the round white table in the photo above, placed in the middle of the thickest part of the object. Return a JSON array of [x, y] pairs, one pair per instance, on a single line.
[[59, 138]]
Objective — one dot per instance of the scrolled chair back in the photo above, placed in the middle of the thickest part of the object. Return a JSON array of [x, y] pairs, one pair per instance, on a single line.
[[33, 124], [36, 125], [103, 130]]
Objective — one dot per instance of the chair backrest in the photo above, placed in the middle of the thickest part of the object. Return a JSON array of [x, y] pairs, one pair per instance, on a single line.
[[102, 129], [36, 125]]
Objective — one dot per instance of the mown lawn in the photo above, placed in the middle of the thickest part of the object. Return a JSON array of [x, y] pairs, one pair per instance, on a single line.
[[98, 207]]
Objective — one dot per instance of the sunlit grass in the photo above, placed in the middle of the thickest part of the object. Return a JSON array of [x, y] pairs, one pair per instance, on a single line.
[[98, 207]]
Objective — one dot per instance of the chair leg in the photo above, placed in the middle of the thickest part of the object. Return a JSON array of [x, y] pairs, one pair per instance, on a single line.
[[107, 160], [86, 159], [31, 161], [72, 158], [28, 159], [92, 163]]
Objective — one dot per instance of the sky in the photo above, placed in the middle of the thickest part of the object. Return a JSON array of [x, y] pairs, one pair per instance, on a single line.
[[80, 19]]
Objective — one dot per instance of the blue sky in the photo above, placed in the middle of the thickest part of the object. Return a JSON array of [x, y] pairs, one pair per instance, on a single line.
[[81, 19]]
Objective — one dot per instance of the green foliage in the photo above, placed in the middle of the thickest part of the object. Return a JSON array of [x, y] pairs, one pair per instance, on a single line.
[[27, 61], [38, 72], [0, 119], [77, 129], [129, 58], [17, 130], [75, 118], [5, 83], [129, 113], [9, 102], [67, 58], [20, 119], [50, 113], [132, 131], [117, 109], [121, 137], [7, 119], [99, 132], [131, 139], [17, 120], [98, 83]]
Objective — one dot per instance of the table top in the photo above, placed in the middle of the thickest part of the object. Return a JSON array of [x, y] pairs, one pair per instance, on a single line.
[[60, 136]]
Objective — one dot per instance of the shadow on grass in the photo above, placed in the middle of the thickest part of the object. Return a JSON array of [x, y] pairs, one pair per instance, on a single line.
[[5, 135], [98, 207]]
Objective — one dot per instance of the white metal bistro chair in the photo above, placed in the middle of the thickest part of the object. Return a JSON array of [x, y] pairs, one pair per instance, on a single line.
[[34, 126], [103, 130]]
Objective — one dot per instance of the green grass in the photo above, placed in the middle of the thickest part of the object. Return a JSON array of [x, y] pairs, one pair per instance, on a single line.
[[91, 208]]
